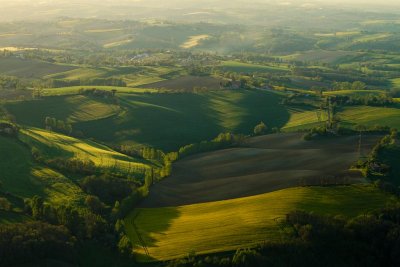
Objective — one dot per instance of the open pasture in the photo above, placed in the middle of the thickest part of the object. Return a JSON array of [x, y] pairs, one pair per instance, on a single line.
[[171, 120], [187, 83], [53, 145], [240, 67], [174, 232], [23, 178], [74, 108], [28, 68]]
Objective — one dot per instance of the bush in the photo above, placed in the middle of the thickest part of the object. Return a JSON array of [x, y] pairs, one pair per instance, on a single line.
[[260, 129]]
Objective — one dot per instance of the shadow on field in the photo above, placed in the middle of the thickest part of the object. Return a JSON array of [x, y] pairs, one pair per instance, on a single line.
[[263, 164], [144, 224], [262, 106], [165, 121]]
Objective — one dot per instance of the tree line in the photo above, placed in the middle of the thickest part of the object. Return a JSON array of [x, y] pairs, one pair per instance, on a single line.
[[55, 83]]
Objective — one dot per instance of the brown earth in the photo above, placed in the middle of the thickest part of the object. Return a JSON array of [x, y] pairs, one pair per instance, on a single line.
[[262, 165]]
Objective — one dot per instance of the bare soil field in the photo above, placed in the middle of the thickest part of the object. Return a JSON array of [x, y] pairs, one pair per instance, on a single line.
[[264, 164]]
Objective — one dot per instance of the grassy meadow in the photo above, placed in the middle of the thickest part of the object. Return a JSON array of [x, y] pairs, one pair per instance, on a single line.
[[30, 69], [52, 145], [240, 67], [23, 178], [75, 108], [185, 118], [174, 232], [73, 90]]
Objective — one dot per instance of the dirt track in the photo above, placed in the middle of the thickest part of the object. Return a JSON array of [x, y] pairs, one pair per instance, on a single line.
[[262, 165]]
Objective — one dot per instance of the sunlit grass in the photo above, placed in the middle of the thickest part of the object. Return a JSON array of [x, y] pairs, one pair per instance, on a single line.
[[227, 225], [57, 145]]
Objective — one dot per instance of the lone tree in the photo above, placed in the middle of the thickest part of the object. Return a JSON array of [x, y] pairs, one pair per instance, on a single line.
[[260, 129]]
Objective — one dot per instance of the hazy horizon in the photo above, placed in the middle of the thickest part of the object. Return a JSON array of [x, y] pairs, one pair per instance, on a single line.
[[169, 10]]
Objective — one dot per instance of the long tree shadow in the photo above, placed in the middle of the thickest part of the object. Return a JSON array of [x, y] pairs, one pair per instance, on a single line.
[[165, 121], [143, 225], [262, 106]]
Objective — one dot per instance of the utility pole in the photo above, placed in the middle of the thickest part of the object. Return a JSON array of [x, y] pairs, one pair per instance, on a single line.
[[359, 145], [329, 122]]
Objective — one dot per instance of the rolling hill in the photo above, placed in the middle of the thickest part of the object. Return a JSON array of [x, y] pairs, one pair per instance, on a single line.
[[53, 145], [173, 232]]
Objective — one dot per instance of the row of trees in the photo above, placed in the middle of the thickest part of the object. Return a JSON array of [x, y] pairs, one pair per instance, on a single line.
[[54, 83], [72, 165], [52, 124], [97, 92], [11, 82], [356, 85], [223, 140], [367, 100]]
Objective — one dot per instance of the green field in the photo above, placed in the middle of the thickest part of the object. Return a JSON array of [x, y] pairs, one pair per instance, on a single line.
[[324, 56], [141, 118], [75, 108], [236, 66], [174, 232], [31, 69], [53, 145], [304, 119], [187, 83], [349, 116], [71, 90], [354, 92], [24, 178], [371, 116], [169, 121]]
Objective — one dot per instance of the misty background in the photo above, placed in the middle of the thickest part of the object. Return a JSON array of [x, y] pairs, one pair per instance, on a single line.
[[221, 11]]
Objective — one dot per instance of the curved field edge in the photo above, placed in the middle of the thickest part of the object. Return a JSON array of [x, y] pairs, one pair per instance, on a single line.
[[72, 90], [22, 178], [51, 145], [167, 233]]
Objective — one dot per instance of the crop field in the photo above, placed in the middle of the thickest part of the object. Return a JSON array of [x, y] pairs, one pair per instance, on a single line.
[[371, 116], [75, 108], [72, 90], [187, 83], [240, 67], [302, 119], [26, 68], [173, 232], [396, 83], [169, 121], [349, 116], [23, 178], [323, 56], [79, 73], [194, 41], [150, 75], [263, 164], [52, 145], [354, 92]]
